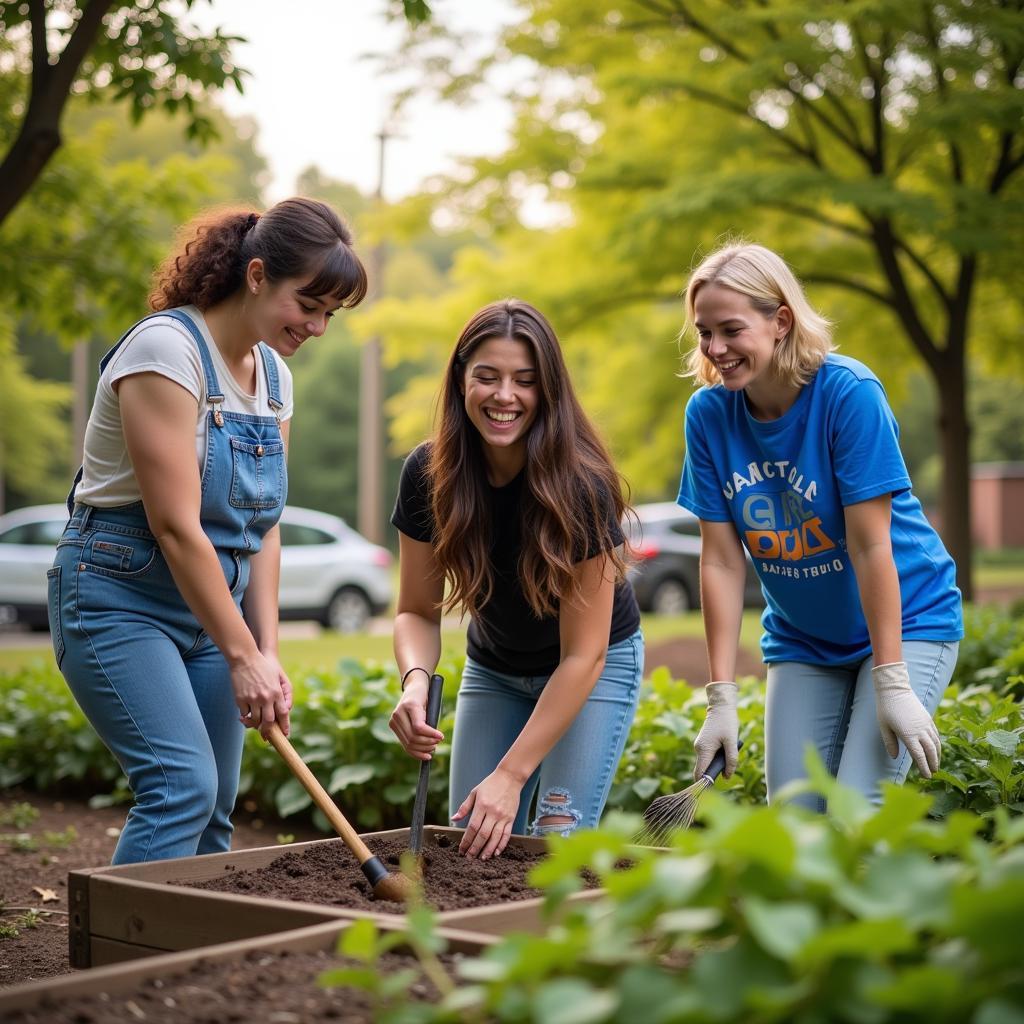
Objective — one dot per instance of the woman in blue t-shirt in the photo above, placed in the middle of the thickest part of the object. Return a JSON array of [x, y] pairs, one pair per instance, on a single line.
[[515, 504], [792, 452]]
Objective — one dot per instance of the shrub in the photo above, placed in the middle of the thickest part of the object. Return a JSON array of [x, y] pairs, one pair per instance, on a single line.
[[340, 728], [992, 650], [768, 914]]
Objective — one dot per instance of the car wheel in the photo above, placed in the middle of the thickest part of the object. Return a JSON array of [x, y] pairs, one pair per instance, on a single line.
[[348, 611], [670, 597]]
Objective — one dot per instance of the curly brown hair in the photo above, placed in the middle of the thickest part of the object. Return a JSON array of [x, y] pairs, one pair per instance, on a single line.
[[572, 500], [296, 238]]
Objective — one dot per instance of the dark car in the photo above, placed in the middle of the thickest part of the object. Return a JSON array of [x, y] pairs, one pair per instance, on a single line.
[[666, 571]]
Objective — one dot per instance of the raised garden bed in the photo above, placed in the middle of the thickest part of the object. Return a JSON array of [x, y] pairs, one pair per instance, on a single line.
[[269, 978], [142, 909]]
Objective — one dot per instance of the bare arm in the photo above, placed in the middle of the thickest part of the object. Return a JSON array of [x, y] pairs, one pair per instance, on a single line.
[[417, 643], [723, 573], [584, 623], [159, 422], [869, 542]]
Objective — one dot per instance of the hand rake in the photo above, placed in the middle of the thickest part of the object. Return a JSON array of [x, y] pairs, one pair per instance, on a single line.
[[675, 811]]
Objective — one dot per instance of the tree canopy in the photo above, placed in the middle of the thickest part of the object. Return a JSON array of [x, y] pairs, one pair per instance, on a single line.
[[877, 145]]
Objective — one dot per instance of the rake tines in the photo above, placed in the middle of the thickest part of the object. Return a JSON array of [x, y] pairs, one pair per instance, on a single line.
[[675, 811], [669, 813]]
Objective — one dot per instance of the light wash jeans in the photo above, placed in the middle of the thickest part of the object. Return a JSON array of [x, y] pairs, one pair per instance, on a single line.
[[576, 776], [832, 707]]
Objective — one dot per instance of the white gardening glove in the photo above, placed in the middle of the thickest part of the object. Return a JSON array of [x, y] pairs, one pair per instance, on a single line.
[[721, 728], [901, 716]]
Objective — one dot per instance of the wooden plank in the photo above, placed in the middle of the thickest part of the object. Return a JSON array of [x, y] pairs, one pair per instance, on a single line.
[[499, 919], [168, 917], [134, 905], [121, 977]]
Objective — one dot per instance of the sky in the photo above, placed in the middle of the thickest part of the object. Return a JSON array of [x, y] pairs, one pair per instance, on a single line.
[[316, 100]]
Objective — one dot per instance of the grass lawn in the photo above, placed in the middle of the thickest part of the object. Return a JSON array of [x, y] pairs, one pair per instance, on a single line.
[[324, 649]]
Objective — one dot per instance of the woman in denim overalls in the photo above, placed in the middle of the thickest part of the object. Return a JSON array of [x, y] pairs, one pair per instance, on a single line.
[[163, 593]]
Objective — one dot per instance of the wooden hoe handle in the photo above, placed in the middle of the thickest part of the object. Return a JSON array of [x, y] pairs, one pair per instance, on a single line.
[[320, 795]]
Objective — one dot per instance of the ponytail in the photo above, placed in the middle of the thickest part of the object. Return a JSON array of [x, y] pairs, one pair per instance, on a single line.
[[296, 238]]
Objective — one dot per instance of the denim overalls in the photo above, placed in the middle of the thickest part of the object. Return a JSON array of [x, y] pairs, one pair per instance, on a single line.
[[149, 679]]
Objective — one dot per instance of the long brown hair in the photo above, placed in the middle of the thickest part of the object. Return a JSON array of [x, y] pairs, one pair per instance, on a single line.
[[295, 238], [572, 498]]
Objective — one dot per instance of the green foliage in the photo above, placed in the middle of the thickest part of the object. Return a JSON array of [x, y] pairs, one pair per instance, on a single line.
[[982, 753], [877, 146], [766, 914], [145, 55], [20, 815], [45, 740], [659, 757], [992, 650], [33, 433], [340, 729]]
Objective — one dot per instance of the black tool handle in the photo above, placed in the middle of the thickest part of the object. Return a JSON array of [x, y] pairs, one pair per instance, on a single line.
[[419, 807], [717, 765], [434, 692]]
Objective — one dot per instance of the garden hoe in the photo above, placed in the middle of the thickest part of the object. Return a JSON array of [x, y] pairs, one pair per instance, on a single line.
[[386, 886], [419, 807]]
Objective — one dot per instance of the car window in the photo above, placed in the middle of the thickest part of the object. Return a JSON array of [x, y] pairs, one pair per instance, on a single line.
[[45, 534], [296, 534]]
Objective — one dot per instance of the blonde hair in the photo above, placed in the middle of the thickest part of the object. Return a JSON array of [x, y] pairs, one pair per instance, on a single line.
[[765, 278]]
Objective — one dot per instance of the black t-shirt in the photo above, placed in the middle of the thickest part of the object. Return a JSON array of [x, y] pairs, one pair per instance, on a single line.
[[513, 639]]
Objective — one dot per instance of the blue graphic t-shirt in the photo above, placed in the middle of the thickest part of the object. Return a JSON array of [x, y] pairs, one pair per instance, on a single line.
[[784, 484]]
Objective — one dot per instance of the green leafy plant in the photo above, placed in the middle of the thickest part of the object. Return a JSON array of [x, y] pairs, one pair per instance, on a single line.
[[992, 650], [765, 914], [20, 815], [340, 729]]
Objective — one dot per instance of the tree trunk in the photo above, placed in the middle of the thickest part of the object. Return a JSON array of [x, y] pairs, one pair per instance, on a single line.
[[954, 447], [39, 134], [24, 163]]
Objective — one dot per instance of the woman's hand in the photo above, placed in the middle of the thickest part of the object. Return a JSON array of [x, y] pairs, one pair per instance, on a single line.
[[721, 728], [409, 719], [263, 692], [494, 805], [902, 716], [283, 706]]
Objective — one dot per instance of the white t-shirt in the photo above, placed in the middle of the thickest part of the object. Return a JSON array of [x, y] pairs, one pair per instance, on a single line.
[[162, 345]]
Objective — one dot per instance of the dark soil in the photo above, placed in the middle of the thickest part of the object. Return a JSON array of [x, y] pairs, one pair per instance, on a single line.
[[687, 658], [258, 988], [68, 835], [331, 875]]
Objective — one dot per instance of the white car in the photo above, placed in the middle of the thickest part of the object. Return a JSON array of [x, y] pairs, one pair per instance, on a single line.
[[328, 571]]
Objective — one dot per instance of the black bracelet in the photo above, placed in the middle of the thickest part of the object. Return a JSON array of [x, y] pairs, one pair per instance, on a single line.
[[409, 672]]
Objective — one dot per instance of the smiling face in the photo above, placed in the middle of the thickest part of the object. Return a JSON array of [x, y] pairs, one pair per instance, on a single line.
[[500, 393], [282, 316], [736, 337]]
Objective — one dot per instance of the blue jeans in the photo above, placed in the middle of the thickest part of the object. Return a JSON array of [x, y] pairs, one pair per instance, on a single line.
[[832, 707], [576, 776], [151, 682]]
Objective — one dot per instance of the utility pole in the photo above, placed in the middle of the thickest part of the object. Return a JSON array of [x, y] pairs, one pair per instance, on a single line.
[[371, 397], [79, 401]]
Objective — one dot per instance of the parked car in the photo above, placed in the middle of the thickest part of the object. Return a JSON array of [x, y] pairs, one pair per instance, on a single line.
[[666, 573], [328, 571]]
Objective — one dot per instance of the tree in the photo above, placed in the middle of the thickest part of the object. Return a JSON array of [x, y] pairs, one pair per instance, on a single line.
[[140, 54], [879, 145], [77, 257], [144, 54]]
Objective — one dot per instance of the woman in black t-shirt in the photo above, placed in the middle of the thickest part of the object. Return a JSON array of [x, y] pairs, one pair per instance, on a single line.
[[516, 507]]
